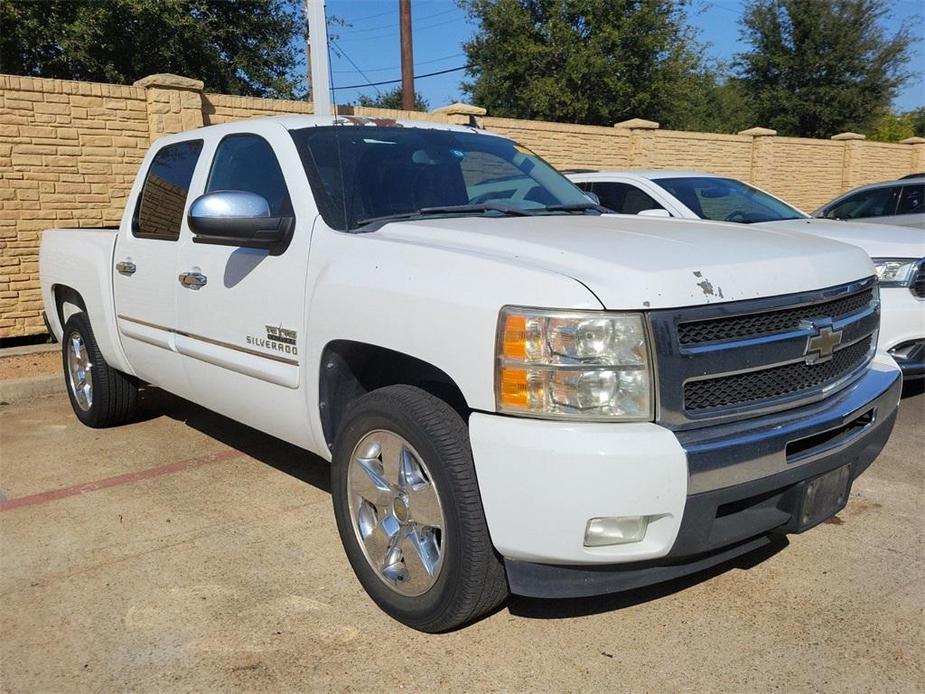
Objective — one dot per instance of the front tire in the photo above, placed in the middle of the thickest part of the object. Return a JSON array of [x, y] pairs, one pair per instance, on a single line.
[[100, 396], [409, 512]]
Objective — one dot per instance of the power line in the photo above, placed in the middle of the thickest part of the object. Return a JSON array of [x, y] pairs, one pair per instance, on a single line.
[[398, 67], [342, 52], [392, 12], [416, 77], [392, 32]]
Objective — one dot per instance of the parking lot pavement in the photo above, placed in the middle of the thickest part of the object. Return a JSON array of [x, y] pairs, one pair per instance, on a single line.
[[187, 552]]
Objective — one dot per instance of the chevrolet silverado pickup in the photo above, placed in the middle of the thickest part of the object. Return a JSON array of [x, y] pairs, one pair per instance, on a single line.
[[517, 393]]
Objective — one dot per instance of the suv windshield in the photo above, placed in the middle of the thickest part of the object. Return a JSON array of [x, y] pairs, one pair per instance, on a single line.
[[727, 200], [365, 174]]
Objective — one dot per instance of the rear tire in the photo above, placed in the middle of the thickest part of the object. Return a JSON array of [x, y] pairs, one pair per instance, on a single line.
[[435, 469], [99, 395]]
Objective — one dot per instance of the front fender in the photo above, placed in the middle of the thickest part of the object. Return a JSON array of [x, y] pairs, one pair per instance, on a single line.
[[438, 305]]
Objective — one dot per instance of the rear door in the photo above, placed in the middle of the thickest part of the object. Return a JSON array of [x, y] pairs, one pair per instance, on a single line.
[[145, 271], [241, 333]]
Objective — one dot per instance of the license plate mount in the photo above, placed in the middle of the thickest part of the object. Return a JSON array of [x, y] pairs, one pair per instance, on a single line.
[[823, 497]]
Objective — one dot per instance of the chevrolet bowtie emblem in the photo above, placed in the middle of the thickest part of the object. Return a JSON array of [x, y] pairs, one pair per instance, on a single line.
[[821, 346]]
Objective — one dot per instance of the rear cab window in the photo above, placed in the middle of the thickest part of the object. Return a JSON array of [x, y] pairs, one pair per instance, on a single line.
[[159, 211]]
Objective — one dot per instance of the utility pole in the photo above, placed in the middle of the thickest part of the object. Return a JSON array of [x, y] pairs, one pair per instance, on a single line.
[[407, 56], [319, 86]]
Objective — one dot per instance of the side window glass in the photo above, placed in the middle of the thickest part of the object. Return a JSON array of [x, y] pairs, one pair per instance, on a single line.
[[912, 200], [624, 198], [879, 202], [611, 195], [159, 212], [246, 162]]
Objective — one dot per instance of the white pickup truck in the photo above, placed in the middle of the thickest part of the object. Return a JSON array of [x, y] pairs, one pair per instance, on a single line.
[[516, 392]]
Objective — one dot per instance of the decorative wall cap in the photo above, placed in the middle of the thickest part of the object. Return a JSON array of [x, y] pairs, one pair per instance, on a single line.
[[912, 141], [849, 136], [459, 109], [170, 81], [637, 124], [758, 132]]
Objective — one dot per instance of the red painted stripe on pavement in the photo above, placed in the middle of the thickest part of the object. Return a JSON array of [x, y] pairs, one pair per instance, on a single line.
[[146, 474]]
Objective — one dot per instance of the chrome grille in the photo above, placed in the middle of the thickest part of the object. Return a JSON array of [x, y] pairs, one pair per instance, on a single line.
[[720, 362], [732, 327], [760, 386]]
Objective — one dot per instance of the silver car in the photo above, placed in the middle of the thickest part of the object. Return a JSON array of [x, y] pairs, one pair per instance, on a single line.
[[891, 202]]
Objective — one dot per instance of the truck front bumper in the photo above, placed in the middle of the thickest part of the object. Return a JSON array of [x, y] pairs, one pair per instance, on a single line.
[[709, 494]]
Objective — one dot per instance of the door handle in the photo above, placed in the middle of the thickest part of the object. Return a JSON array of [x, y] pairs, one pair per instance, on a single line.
[[126, 267], [193, 280]]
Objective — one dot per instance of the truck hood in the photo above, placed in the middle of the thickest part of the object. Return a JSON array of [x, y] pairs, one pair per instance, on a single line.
[[637, 262], [879, 240]]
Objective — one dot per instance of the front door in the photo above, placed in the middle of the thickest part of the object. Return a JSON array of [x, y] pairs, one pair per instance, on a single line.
[[145, 265], [241, 321]]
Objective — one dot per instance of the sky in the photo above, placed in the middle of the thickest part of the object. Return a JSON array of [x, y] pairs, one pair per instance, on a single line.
[[369, 46]]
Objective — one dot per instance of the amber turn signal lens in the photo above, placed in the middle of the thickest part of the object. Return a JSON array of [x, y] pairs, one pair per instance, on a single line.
[[514, 388], [514, 343]]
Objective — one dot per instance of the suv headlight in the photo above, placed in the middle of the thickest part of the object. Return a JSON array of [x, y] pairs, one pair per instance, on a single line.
[[573, 365], [895, 272]]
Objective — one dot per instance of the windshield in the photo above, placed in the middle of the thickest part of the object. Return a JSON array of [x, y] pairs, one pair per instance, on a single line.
[[364, 174], [727, 200]]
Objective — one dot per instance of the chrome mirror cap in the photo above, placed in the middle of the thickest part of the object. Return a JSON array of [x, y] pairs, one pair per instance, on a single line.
[[229, 204]]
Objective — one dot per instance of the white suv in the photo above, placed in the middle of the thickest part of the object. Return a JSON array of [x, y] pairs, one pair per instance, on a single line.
[[897, 251]]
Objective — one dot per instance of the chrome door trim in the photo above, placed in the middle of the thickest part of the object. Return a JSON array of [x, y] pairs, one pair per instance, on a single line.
[[219, 343]]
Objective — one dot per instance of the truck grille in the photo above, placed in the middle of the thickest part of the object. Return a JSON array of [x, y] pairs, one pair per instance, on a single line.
[[698, 332], [918, 282], [759, 386], [724, 361]]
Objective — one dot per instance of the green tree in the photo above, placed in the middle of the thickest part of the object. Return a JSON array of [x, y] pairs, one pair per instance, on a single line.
[[240, 47], [818, 68], [392, 99], [583, 61]]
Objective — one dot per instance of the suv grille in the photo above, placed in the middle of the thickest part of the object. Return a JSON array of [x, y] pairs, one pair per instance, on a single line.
[[756, 324], [756, 387]]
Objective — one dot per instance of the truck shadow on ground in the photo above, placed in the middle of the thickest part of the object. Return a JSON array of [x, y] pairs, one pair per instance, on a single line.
[[313, 470], [292, 460]]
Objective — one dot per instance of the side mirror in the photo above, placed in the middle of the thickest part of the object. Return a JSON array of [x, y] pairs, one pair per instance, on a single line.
[[592, 197], [656, 212], [236, 218]]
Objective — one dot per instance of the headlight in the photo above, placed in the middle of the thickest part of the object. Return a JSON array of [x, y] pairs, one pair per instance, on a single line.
[[575, 365], [895, 272]]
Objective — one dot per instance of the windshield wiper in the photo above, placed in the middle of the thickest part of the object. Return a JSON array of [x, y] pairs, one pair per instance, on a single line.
[[572, 207], [450, 209]]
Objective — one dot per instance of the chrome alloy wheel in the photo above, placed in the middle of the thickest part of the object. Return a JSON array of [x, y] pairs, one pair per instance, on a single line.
[[78, 372], [396, 513]]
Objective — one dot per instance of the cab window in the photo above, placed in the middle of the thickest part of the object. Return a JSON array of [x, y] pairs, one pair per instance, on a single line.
[[246, 162], [159, 213]]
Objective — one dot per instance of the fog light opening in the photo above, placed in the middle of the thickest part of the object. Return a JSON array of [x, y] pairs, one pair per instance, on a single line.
[[616, 530]]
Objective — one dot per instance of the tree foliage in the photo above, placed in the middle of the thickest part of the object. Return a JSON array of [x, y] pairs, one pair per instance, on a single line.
[[392, 99], [817, 68], [893, 127], [240, 47], [583, 61]]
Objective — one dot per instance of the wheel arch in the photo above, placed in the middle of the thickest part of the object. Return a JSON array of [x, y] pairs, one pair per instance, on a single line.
[[350, 369], [66, 296]]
